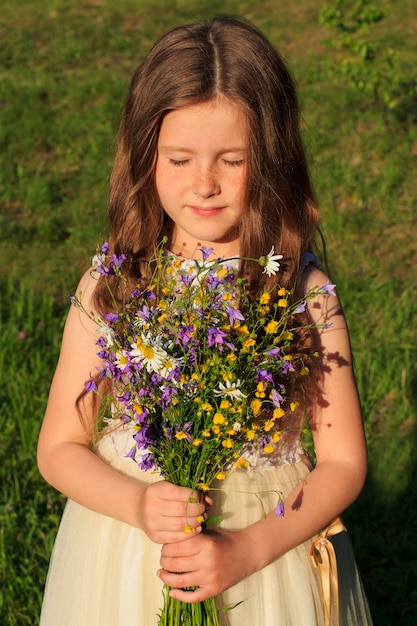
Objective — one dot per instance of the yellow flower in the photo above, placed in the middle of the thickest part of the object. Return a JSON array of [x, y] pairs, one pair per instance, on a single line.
[[265, 298], [206, 433], [228, 443], [200, 519], [242, 330], [206, 406], [216, 429], [294, 406], [288, 335], [225, 404], [227, 296], [276, 437], [256, 406], [278, 412], [260, 393], [203, 486], [304, 371], [221, 476], [241, 462], [268, 448], [189, 529], [222, 272], [268, 425], [219, 419], [138, 409], [282, 303], [181, 435], [271, 327], [197, 442], [250, 435], [283, 292], [231, 357], [248, 343]]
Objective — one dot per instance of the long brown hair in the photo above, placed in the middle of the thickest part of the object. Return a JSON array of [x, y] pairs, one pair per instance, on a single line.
[[225, 57]]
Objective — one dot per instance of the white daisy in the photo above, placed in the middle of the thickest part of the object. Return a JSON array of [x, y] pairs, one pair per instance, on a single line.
[[270, 262], [231, 389]]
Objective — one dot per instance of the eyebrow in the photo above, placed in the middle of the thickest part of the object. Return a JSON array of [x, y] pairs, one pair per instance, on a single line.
[[168, 148]]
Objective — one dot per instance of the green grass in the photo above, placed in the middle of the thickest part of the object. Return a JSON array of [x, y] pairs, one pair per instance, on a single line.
[[64, 65]]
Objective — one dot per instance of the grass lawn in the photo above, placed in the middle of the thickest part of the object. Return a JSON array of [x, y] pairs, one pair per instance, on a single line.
[[64, 67]]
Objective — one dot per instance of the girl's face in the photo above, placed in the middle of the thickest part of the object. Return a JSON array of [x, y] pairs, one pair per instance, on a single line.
[[201, 174]]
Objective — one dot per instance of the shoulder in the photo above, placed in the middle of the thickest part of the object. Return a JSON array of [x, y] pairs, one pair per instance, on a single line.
[[324, 308]]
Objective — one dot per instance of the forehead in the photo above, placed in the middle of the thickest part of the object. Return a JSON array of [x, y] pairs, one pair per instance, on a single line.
[[219, 121]]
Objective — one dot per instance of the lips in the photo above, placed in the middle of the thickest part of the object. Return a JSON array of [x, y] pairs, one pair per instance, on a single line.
[[206, 211]]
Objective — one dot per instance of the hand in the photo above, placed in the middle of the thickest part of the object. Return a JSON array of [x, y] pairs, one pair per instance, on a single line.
[[169, 513], [213, 561]]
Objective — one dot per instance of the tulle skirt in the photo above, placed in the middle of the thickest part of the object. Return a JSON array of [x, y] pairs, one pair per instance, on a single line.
[[103, 572]]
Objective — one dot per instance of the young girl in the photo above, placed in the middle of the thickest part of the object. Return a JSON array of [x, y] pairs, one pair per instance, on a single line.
[[209, 154]]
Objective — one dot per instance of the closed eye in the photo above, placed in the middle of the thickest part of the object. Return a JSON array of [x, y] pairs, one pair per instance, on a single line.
[[178, 162], [235, 163]]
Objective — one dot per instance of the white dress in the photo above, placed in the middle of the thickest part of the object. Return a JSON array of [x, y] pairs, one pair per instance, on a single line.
[[103, 571]]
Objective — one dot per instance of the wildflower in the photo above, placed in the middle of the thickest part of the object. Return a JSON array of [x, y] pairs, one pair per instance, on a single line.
[[301, 307], [279, 509], [221, 476], [215, 336], [272, 326], [328, 289], [230, 389], [206, 252], [188, 530], [90, 385], [256, 406], [146, 462], [264, 376], [264, 298], [241, 462], [270, 262], [234, 315], [276, 398]]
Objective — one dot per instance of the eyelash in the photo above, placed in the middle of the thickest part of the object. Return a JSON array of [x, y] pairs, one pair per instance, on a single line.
[[181, 163]]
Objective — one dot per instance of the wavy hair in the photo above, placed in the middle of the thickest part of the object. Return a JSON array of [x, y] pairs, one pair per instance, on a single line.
[[225, 57]]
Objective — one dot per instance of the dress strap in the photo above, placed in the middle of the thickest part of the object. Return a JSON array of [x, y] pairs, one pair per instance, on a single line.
[[323, 555]]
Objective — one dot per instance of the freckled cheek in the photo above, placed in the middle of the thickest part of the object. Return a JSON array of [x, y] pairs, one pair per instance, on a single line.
[[167, 182], [237, 184]]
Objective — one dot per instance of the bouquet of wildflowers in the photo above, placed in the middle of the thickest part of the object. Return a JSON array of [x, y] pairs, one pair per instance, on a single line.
[[198, 371]]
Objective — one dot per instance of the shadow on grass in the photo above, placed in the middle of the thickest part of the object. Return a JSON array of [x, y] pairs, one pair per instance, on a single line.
[[384, 536]]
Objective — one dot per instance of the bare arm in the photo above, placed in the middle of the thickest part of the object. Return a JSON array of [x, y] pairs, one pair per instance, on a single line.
[[217, 560], [66, 461]]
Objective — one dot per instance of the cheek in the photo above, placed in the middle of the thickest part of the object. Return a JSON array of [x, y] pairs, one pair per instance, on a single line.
[[238, 184], [167, 181]]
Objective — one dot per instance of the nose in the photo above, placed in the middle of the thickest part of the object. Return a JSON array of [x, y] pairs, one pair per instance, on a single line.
[[206, 183]]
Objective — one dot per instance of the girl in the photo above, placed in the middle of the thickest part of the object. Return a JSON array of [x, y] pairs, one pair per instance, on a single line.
[[209, 154]]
